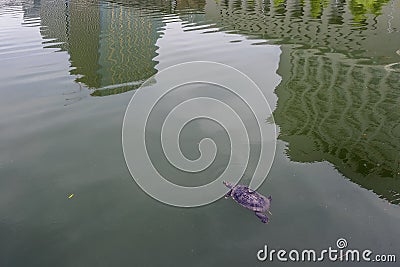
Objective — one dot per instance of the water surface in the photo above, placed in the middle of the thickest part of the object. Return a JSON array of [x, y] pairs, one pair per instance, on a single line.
[[329, 70]]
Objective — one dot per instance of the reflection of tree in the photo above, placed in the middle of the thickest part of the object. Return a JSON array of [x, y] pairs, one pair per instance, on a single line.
[[280, 7], [332, 110], [360, 8], [317, 6]]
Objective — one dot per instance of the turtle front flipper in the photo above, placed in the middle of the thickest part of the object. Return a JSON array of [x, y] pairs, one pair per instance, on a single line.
[[229, 194], [263, 217]]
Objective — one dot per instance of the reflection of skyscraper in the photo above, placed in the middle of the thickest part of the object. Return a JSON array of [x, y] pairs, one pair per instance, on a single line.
[[185, 5], [53, 23], [31, 9], [70, 27], [83, 31], [320, 23], [330, 109], [108, 43], [127, 44]]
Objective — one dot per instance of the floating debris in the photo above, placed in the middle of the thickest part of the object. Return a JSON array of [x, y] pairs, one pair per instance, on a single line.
[[71, 196]]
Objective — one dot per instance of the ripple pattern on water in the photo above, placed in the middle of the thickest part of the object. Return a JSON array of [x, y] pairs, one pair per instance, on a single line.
[[335, 102]]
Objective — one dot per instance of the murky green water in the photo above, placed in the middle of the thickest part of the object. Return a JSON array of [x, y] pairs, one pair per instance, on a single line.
[[329, 69]]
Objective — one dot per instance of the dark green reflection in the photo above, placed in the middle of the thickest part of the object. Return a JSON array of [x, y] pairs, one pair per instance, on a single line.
[[83, 41], [298, 10], [361, 8], [316, 7], [337, 111], [337, 12], [280, 7]]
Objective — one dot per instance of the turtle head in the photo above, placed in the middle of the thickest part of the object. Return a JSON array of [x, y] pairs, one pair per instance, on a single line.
[[229, 185]]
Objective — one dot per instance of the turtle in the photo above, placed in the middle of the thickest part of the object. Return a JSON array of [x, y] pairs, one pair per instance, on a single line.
[[250, 199]]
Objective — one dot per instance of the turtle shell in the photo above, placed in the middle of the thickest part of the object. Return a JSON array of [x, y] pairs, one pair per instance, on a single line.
[[250, 199]]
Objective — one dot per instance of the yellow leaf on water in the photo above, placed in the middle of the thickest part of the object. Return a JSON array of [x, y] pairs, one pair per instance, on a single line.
[[71, 196]]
